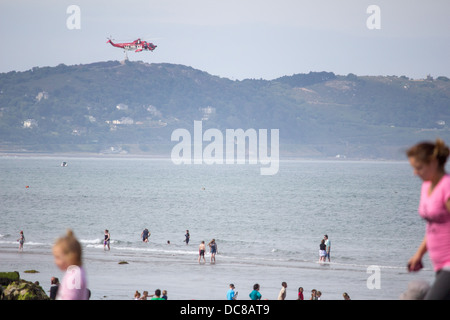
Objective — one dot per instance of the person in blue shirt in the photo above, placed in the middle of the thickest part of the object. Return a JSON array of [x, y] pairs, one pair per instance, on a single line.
[[255, 294], [231, 295]]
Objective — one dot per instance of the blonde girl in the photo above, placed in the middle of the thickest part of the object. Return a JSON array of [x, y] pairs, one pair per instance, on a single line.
[[67, 254]]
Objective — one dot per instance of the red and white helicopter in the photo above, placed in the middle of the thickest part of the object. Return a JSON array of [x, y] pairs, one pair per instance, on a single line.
[[137, 45]]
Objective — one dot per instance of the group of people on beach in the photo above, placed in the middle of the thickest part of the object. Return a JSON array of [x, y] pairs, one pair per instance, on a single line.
[[255, 294], [213, 250], [201, 250], [159, 295]]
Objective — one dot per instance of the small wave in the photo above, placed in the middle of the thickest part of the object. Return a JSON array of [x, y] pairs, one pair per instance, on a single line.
[[149, 248], [27, 243], [158, 250], [100, 241], [94, 246], [359, 265], [3, 236], [91, 241], [32, 243], [8, 242]]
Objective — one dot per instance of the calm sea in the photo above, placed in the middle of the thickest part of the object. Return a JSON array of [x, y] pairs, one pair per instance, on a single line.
[[268, 228]]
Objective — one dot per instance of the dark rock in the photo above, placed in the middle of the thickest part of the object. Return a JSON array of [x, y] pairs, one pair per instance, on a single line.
[[7, 277], [24, 290]]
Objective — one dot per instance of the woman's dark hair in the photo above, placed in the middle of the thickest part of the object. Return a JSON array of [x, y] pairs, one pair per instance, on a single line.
[[425, 152]]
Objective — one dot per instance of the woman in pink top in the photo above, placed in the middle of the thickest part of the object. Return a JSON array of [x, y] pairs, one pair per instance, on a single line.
[[67, 253], [428, 161]]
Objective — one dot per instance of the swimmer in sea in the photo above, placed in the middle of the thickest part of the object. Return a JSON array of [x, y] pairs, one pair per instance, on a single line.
[[201, 252], [145, 234], [213, 245], [188, 237], [21, 241], [107, 240]]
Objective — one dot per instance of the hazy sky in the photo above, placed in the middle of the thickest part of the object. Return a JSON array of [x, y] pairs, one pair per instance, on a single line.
[[236, 39]]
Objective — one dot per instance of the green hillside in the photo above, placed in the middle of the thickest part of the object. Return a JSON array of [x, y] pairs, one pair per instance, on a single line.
[[134, 107]]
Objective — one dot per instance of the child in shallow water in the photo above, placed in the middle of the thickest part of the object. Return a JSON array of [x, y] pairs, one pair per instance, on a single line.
[[21, 241], [322, 251], [67, 254]]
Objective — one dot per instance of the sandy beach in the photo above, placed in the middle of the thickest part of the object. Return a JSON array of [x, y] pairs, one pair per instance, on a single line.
[[185, 279], [181, 275]]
